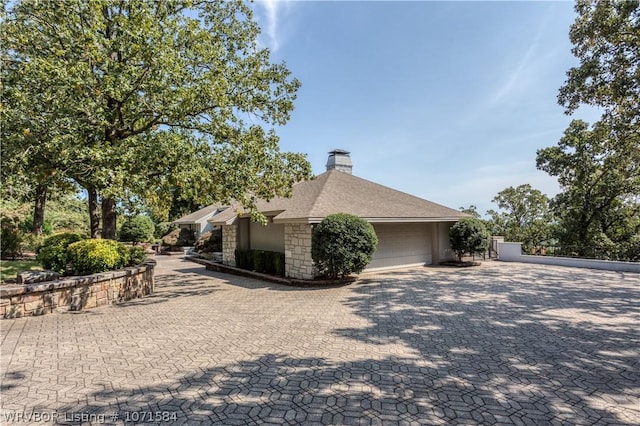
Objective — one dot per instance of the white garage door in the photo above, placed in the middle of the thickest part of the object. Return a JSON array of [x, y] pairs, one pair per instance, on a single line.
[[401, 244]]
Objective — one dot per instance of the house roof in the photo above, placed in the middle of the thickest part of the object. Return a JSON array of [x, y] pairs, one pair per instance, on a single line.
[[199, 215], [338, 192]]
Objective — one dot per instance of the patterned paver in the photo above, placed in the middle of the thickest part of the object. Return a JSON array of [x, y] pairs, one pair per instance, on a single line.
[[497, 344]]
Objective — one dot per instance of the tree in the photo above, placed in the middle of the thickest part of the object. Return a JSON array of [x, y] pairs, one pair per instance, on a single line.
[[598, 168], [471, 210], [598, 205], [524, 216], [342, 244], [469, 235], [606, 39], [137, 229], [145, 96]]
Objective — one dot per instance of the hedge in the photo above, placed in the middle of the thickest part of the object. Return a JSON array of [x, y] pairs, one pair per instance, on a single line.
[[263, 261]]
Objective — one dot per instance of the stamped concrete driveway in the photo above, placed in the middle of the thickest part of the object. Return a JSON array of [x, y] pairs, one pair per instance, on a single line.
[[498, 344]]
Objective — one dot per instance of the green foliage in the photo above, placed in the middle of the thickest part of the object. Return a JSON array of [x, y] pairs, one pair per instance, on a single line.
[[259, 261], [471, 210], [599, 168], [146, 101], [209, 242], [94, 256], [137, 229], [606, 36], [469, 235], [342, 244], [599, 202], [524, 216], [164, 228], [263, 261], [137, 255], [180, 237], [10, 238], [279, 263], [53, 253], [27, 225], [244, 259]]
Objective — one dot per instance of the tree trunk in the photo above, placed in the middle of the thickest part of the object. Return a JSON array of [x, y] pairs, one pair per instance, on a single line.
[[94, 213], [109, 218], [38, 211]]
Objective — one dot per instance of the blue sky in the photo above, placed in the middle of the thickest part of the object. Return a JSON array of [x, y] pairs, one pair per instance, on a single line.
[[448, 101]]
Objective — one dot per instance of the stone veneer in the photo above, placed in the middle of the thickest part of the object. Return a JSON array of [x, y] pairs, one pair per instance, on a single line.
[[76, 293], [229, 243], [297, 251]]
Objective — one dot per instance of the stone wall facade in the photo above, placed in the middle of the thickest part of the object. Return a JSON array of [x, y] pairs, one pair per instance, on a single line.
[[229, 244], [297, 251], [77, 293]]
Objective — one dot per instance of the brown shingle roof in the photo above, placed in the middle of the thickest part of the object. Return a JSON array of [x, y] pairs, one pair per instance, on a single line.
[[339, 192]]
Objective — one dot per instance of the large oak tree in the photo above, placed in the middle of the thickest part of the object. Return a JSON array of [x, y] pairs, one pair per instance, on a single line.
[[140, 97]]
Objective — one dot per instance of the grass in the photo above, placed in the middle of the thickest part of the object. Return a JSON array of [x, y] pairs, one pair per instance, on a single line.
[[9, 268]]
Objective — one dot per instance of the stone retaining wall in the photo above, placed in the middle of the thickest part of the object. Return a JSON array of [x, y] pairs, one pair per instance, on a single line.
[[77, 293]]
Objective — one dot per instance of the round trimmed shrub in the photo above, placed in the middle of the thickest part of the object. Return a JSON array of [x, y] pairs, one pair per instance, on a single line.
[[53, 253], [342, 244], [469, 235], [137, 229], [93, 256]]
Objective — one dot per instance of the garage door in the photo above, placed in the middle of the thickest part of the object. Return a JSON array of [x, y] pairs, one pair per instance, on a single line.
[[401, 244]]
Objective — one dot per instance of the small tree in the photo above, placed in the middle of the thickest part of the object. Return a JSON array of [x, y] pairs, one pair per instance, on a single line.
[[137, 229], [342, 244], [469, 235]]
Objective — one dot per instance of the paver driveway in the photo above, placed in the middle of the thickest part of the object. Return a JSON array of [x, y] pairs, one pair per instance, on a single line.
[[501, 343]]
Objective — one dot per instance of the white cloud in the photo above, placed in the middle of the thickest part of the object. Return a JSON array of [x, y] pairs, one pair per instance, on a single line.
[[270, 14]]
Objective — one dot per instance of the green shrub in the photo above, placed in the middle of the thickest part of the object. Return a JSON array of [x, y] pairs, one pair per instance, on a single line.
[[258, 261], [269, 262], [278, 263], [93, 256], [10, 238], [209, 242], [137, 255], [137, 229], [469, 235], [244, 259], [163, 228], [342, 244], [53, 253]]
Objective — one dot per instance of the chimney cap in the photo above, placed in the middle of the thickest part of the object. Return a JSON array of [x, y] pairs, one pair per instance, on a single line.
[[339, 151]]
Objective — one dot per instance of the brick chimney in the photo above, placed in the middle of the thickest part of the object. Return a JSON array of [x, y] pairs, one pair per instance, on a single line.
[[339, 159]]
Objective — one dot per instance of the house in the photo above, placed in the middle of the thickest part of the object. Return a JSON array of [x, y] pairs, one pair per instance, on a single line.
[[198, 222], [411, 231]]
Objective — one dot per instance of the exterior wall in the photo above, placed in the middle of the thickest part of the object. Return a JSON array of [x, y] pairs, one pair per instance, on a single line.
[[78, 293], [229, 244], [512, 252], [444, 245], [297, 251], [269, 237], [204, 226]]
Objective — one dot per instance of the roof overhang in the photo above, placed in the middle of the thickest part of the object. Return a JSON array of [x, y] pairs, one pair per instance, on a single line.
[[375, 219]]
